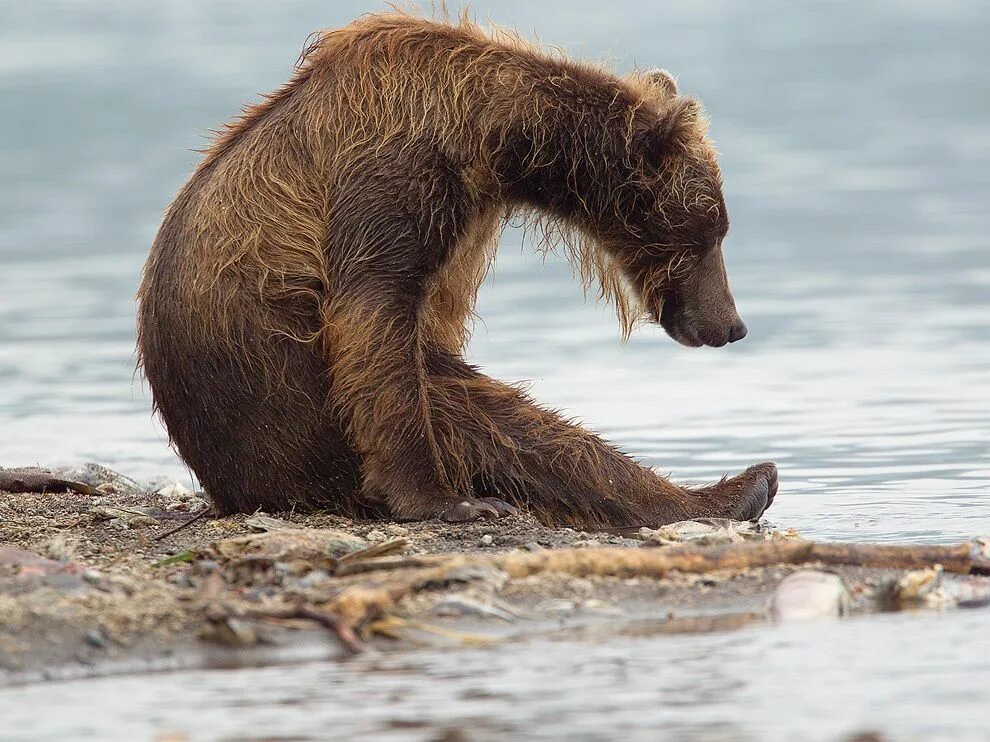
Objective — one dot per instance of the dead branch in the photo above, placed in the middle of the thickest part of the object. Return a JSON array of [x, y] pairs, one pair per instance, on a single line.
[[339, 628], [198, 516]]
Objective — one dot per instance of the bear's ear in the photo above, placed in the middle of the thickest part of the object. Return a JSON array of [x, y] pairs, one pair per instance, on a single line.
[[667, 131], [664, 82]]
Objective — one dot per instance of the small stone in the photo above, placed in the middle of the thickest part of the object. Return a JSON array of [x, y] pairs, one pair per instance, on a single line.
[[98, 580], [394, 529], [205, 566], [122, 584], [376, 536], [233, 632], [180, 580], [587, 543], [487, 540], [95, 638], [124, 518]]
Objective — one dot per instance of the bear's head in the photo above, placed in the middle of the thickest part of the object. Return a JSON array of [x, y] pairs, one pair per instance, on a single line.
[[670, 220]]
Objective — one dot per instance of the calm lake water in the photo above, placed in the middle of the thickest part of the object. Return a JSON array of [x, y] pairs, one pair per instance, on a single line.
[[855, 145]]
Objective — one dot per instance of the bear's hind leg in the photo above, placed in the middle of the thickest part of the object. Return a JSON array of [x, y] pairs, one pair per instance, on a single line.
[[745, 496], [561, 472]]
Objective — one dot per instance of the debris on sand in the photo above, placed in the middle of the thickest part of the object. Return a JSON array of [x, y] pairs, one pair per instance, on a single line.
[[108, 573], [711, 532], [930, 588]]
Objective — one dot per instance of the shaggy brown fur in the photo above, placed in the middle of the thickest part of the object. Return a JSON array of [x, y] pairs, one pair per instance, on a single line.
[[307, 300]]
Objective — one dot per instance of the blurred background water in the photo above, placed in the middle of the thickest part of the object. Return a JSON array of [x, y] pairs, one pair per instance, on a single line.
[[855, 147]]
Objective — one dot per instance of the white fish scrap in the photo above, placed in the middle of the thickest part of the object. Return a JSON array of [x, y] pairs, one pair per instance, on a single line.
[[711, 532], [175, 490], [923, 587], [809, 594], [932, 588]]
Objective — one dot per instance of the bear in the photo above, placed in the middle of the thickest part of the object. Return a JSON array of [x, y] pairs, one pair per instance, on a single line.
[[305, 306]]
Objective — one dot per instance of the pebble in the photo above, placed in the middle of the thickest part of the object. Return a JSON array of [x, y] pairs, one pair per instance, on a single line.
[[95, 638], [205, 566], [396, 530], [180, 580], [587, 543], [487, 540], [376, 536]]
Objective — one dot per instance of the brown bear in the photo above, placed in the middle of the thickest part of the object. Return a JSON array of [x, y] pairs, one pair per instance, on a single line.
[[306, 302]]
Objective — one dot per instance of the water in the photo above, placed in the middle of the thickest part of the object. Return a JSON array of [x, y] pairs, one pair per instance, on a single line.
[[747, 685], [856, 148]]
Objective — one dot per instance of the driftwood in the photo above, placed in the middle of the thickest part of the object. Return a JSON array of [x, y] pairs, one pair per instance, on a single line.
[[361, 604], [967, 558], [40, 480]]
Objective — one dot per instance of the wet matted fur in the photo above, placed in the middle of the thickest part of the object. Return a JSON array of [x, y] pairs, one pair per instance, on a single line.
[[306, 302]]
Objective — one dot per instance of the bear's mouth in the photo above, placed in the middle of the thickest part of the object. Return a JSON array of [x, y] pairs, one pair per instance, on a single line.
[[671, 314], [683, 332]]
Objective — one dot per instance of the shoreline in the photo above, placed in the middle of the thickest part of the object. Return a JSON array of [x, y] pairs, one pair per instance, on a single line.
[[107, 579]]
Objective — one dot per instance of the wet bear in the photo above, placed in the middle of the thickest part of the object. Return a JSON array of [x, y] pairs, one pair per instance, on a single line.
[[306, 302]]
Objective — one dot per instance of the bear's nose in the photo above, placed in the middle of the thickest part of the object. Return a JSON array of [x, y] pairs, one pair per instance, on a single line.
[[738, 331]]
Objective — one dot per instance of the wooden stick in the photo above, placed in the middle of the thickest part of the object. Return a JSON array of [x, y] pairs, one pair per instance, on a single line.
[[39, 480], [182, 525], [339, 628], [966, 558]]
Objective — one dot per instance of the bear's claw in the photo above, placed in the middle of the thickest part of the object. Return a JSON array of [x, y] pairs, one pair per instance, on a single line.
[[484, 508]]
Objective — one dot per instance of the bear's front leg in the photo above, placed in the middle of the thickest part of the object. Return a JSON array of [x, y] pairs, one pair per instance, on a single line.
[[378, 387]]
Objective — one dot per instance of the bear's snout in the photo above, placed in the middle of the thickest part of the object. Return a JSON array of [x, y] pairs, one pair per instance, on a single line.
[[703, 311], [738, 331]]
